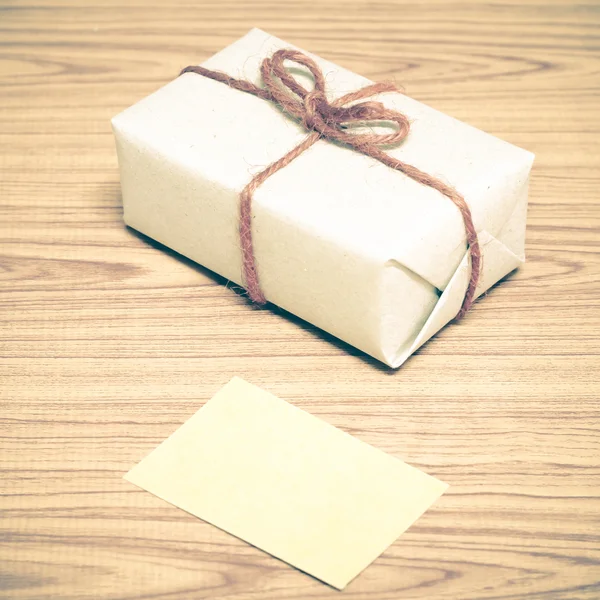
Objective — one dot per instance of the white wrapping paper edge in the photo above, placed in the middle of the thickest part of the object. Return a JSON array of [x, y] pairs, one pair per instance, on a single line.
[[342, 241]]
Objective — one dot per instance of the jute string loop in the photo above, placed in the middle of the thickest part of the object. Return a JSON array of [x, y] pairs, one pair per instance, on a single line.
[[333, 121]]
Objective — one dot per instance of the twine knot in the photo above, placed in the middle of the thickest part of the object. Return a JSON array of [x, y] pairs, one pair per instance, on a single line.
[[341, 120], [332, 120]]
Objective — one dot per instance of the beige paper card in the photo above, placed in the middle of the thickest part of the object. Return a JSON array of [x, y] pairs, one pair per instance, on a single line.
[[287, 482]]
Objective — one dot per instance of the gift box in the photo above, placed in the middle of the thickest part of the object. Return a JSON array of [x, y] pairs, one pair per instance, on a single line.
[[340, 239]]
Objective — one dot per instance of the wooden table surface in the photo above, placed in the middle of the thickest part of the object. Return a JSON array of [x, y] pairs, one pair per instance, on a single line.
[[108, 341]]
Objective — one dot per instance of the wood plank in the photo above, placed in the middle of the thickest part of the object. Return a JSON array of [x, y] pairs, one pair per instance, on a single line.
[[109, 341]]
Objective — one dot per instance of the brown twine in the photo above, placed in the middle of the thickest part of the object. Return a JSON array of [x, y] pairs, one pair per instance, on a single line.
[[329, 120]]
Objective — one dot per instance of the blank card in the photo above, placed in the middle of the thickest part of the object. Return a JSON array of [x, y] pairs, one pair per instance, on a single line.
[[287, 482]]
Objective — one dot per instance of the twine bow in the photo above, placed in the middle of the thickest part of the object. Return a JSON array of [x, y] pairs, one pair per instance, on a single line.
[[334, 121]]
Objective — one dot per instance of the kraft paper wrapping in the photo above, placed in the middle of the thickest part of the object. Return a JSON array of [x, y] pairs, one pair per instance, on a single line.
[[342, 241], [287, 482]]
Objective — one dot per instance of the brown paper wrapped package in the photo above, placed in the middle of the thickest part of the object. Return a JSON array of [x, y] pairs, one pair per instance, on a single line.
[[340, 240]]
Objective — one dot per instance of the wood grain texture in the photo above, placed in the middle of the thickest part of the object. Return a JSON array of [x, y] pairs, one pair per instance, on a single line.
[[108, 342]]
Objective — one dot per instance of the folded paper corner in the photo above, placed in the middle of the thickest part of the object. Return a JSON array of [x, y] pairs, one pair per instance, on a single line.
[[498, 260]]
